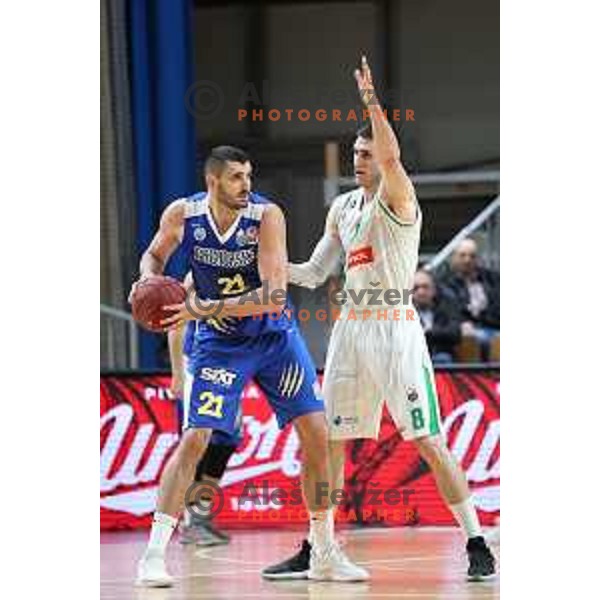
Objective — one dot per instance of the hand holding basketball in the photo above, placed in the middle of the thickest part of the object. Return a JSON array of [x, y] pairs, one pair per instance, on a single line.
[[150, 298]]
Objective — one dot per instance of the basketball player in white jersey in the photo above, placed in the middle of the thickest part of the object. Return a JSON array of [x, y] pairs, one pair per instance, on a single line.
[[383, 355]]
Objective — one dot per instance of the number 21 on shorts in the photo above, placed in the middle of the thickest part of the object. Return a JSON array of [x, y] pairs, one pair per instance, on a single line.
[[212, 405]]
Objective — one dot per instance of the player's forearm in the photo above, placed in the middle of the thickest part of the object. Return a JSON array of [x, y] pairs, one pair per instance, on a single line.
[[397, 189], [306, 275], [322, 263], [385, 142], [270, 298], [151, 265]]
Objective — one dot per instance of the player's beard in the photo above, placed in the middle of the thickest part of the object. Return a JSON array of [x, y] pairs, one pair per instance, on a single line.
[[231, 201]]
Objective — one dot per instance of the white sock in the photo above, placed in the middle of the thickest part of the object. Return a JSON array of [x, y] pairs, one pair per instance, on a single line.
[[466, 515], [163, 526], [321, 529]]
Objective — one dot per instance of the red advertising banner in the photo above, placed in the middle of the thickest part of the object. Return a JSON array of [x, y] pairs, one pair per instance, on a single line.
[[386, 481]]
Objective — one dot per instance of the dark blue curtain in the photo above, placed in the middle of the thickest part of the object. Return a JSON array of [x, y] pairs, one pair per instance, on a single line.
[[161, 60]]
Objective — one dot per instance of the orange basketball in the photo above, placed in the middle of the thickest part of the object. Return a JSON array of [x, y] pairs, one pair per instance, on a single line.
[[149, 298]]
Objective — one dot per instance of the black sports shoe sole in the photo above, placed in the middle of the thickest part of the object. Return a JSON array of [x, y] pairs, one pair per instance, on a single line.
[[288, 575]]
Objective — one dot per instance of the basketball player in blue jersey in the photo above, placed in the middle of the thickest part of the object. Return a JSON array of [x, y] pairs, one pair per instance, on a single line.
[[197, 527], [235, 244]]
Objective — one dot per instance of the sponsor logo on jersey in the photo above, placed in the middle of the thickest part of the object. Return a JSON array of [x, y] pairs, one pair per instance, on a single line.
[[247, 237], [220, 376], [411, 393], [199, 233], [360, 256], [216, 257]]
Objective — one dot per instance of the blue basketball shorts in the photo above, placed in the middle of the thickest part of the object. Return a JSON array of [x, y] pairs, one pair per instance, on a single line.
[[218, 369]]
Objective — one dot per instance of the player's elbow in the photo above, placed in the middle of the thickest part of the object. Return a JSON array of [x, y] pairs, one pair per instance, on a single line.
[[151, 261]]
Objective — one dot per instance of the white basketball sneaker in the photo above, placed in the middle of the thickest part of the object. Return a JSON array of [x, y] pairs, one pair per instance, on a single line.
[[331, 564], [152, 571]]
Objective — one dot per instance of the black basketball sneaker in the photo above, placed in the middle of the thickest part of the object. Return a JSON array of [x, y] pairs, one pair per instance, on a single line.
[[295, 567], [482, 564]]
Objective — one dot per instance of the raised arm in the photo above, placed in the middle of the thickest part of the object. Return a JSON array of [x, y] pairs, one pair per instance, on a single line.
[[396, 188]]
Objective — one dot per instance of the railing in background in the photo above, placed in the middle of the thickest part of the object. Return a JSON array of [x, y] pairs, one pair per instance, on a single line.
[[118, 339], [428, 185], [486, 228], [119, 334]]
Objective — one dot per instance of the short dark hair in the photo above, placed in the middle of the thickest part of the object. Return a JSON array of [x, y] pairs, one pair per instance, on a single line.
[[218, 157], [425, 271], [365, 131]]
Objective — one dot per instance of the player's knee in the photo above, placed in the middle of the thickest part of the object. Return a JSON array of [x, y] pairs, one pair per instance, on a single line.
[[192, 444], [313, 439], [316, 449], [312, 427]]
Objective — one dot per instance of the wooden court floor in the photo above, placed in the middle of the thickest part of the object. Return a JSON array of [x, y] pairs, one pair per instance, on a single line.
[[407, 563]]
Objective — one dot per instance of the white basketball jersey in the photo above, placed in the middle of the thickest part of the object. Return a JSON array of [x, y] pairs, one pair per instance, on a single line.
[[381, 251]]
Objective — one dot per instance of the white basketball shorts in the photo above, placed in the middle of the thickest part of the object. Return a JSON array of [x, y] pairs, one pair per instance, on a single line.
[[376, 360]]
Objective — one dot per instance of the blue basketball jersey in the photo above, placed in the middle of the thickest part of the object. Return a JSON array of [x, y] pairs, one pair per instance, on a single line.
[[225, 265]]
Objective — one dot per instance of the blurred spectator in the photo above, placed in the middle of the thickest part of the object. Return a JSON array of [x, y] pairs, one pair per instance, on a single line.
[[476, 293], [440, 320]]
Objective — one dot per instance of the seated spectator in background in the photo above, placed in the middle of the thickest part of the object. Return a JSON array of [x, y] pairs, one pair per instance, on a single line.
[[476, 293], [440, 320]]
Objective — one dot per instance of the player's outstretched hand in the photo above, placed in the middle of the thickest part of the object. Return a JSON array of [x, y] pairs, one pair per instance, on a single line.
[[364, 80]]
